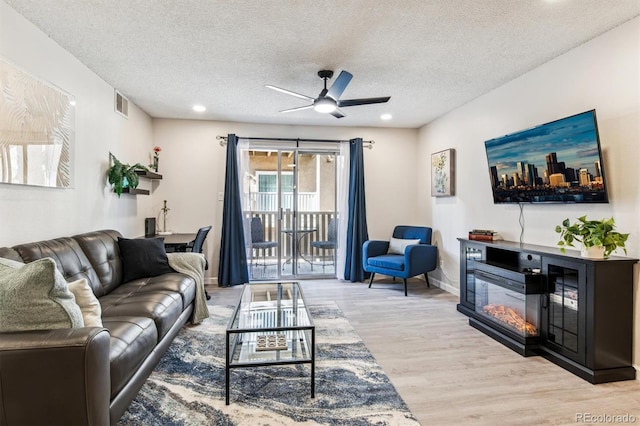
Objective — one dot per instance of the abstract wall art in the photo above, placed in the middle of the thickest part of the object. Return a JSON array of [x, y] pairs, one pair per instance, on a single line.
[[37, 123], [443, 173]]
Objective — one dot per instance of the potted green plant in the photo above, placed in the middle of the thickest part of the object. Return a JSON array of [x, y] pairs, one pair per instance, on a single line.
[[598, 237], [122, 175]]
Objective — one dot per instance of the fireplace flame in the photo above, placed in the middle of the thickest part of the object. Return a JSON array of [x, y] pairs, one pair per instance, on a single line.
[[510, 317]]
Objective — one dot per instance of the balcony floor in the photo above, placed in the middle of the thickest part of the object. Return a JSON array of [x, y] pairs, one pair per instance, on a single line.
[[271, 267]]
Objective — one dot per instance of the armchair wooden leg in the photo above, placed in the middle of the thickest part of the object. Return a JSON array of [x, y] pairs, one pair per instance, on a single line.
[[405, 286], [426, 278], [373, 274]]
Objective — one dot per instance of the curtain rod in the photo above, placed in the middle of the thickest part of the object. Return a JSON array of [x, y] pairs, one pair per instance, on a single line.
[[223, 140]]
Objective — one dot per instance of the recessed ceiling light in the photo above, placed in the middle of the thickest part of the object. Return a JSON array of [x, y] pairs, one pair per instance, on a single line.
[[385, 117], [199, 108]]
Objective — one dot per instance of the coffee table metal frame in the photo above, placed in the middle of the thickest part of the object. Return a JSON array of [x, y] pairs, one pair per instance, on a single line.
[[292, 318]]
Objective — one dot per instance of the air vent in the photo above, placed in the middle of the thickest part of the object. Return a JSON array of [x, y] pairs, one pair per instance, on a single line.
[[122, 104]]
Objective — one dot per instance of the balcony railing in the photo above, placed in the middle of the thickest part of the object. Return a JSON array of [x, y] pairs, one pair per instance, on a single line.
[[317, 220], [268, 201]]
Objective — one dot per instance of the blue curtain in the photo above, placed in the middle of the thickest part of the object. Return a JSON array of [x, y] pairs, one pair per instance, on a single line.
[[232, 269], [357, 217]]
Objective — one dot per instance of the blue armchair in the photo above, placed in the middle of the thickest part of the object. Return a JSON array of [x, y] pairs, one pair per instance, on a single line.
[[409, 253]]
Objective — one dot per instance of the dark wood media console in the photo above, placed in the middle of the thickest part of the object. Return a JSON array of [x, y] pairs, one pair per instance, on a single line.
[[574, 311]]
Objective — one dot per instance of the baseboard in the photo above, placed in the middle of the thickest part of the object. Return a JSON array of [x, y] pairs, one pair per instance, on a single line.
[[211, 281], [444, 286]]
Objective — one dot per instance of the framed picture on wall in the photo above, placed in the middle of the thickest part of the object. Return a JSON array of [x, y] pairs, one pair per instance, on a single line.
[[443, 173], [37, 122]]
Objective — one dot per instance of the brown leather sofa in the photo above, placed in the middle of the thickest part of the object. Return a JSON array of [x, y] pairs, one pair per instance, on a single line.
[[89, 376]]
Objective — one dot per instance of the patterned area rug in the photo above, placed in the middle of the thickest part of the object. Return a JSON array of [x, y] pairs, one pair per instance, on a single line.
[[187, 387]]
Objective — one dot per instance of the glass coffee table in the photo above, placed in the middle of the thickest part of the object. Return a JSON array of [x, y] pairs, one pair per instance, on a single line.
[[271, 325]]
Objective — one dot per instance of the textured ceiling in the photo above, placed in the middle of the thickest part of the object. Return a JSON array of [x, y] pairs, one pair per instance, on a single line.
[[430, 56]]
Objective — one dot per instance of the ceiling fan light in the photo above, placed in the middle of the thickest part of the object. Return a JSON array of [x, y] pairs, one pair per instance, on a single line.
[[324, 106]]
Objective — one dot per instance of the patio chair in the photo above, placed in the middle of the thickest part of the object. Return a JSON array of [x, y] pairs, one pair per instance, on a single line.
[[258, 242], [329, 244]]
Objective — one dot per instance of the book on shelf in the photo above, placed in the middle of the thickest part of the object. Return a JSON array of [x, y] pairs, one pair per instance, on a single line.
[[484, 237], [483, 232]]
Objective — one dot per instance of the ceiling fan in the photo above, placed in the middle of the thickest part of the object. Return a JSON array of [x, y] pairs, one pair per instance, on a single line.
[[329, 100]]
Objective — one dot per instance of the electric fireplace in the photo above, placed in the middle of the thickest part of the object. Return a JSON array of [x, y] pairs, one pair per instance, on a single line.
[[575, 312], [507, 306]]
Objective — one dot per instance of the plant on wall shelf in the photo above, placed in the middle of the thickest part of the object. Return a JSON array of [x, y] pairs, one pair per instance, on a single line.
[[591, 233], [123, 175]]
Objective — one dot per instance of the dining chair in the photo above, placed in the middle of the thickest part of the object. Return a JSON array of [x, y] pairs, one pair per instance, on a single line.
[[196, 246]]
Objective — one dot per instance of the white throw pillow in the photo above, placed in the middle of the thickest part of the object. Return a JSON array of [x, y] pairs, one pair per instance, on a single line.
[[397, 245], [89, 305], [35, 296], [11, 263]]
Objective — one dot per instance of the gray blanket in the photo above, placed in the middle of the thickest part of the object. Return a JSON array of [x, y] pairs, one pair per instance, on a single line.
[[192, 265]]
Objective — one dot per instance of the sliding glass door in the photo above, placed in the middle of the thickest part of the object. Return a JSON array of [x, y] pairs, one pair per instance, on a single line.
[[290, 211]]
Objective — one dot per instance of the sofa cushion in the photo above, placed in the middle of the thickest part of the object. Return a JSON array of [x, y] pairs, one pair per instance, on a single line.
[[397, 245], [69, 257], [388, 261], [101, 248], [143, 258], [132, 340], [86, 300], [10, 253], [167, 283], [35, 296], [163, 307]]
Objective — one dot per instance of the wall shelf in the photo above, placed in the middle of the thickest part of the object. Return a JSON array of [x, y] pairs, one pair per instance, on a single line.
[[135, 191], [148, 174], [145, 174]]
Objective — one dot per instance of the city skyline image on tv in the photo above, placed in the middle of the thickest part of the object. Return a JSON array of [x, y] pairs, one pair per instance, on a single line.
[[556, 162]]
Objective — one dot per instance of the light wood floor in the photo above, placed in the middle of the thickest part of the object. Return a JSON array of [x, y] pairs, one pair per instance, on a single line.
[[448, 372]]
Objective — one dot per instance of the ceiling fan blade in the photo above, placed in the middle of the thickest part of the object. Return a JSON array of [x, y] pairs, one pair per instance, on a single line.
[[339, 85], [365, 101], [297, 109], [289, 92], [337, 113]]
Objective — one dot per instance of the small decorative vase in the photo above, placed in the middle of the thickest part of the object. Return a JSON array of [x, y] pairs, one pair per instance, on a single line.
[[155, 164], [593, 252]]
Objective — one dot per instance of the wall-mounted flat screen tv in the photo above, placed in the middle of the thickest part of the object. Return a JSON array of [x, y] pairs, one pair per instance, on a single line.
[[556, 162]]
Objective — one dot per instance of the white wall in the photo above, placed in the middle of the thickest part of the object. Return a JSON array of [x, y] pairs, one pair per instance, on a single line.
[[35, 213], [192, 163], [603, 74]]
